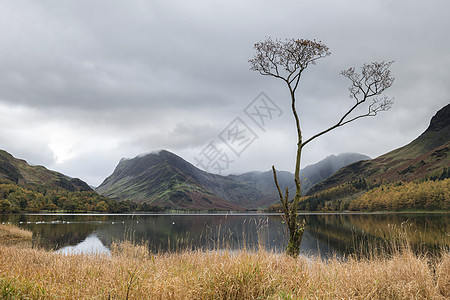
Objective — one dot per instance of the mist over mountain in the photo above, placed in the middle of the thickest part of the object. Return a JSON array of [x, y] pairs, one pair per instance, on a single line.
[[315, 173], [309, 176]]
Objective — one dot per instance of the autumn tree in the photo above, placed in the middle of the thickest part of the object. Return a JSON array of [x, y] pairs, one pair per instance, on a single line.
[[5, 206], [287, 60]]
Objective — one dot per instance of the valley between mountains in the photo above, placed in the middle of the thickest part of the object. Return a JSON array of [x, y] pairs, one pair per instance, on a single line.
[[164, 180]]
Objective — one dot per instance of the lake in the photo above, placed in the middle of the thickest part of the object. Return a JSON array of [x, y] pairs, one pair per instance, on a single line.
[[325, 234]]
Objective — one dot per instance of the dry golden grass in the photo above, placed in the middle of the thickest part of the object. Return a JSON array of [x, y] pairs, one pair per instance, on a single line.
[[12, 235], [131, 273]]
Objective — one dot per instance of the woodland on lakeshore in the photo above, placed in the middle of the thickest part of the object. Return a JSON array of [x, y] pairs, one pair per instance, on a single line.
[[15, 198], [430, 193]]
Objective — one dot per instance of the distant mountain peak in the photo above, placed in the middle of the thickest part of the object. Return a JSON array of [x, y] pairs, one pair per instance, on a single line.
[[142, 155], [154, 152]]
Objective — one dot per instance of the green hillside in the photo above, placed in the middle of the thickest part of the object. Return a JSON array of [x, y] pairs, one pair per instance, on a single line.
[[20, 172]]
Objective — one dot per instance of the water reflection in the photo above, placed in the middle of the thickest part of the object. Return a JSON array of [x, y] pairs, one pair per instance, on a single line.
[[91, 245], [325, 234]]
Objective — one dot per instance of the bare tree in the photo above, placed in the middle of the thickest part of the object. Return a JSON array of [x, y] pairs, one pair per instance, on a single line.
[[286, 60]]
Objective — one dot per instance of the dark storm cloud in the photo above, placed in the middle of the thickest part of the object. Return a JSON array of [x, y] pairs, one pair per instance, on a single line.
[[88, 82]]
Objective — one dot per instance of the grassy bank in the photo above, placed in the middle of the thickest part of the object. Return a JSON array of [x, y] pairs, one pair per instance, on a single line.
[[12, 235], [36, 274], [131, 273]]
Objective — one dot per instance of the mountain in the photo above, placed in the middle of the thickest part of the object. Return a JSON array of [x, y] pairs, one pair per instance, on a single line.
[[164, 179], [21, 173], [320, 171], [264, 183], [310, 175], [427, 154]]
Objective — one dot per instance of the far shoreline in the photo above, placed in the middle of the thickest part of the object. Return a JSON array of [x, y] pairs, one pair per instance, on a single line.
[[223, 213]]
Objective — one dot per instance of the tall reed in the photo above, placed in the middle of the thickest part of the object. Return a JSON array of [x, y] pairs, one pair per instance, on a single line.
[[132, 272]]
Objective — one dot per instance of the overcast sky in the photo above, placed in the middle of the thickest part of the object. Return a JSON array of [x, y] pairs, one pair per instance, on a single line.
[[84, 83]]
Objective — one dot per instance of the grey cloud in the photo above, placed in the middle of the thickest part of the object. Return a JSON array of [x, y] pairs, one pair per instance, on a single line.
[[142, 75]]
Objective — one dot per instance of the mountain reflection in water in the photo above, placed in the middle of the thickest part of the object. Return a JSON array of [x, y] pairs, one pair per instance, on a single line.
[[91, 245]]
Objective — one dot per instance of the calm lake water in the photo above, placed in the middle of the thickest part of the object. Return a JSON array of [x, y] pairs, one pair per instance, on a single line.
[[325, 234]]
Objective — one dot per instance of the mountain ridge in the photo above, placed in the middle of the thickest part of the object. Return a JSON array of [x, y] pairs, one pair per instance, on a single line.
[[161, 177], [165, 179], [22, 173]]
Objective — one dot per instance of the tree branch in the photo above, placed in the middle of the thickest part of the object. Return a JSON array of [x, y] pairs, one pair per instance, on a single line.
[[384, 105], [373, 80], [276, 183]]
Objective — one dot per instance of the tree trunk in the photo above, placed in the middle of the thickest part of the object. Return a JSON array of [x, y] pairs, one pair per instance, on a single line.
[[296, 228], [295, 235], [290, 210]]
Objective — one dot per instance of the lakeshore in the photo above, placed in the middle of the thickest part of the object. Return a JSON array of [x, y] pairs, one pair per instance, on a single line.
[[326, 234]]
